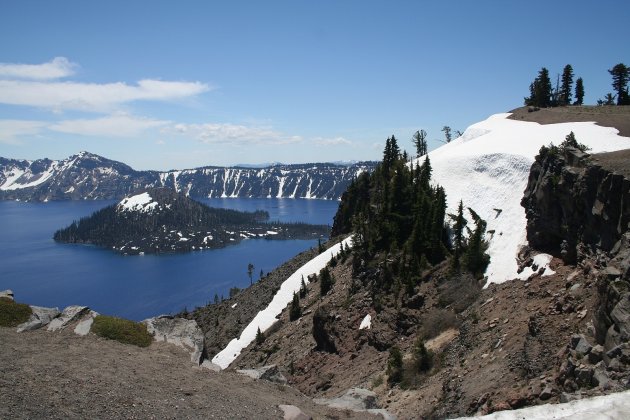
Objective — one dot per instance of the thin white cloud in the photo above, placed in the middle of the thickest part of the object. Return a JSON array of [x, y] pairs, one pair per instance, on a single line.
[[335, 141], [233, 133], [92, 96], [56, 68], [120, 125], [12, 130]]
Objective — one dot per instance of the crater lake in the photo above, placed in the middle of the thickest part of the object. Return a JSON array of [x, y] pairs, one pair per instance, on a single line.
[[44, 273]]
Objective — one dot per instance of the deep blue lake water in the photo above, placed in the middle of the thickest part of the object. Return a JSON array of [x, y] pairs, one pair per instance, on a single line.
[[42, 272]]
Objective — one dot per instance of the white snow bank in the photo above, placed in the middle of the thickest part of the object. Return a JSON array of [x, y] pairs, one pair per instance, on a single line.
[[540, 260], [266, 318], [366, 323], [488, 166], [141, 202], [613, 406]]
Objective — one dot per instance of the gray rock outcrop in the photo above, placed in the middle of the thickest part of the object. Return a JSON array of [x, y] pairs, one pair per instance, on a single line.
[[356, 399], [39, 318], [269, 373], [571, 199], [179, 331], [6, 294], [85, 323], [292, 412], [69, 314]]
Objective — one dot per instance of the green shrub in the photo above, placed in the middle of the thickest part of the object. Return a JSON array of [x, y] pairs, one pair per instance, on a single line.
[[122, 330], [394, 366], [13, 314]]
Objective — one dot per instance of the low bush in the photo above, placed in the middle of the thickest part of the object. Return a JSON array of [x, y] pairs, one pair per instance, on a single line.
[[122, 330], [13, 314], [436, 322]]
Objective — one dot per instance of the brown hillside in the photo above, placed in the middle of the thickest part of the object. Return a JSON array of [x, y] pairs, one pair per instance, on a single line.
[[606, 116]]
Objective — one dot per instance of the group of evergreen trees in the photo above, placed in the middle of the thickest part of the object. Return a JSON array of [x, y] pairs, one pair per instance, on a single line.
[[396, 209], [543, 95]]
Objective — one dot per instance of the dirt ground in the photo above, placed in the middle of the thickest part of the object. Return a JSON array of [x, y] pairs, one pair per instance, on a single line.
[[61, 375], [606, 116]]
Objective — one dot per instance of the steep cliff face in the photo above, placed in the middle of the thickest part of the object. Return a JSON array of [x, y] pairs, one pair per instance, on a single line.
[[578, 207], [574, 200], [92, 177]]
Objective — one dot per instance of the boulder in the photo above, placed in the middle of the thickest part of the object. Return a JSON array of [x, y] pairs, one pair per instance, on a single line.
[[69, 314], [179, 331], [546, 393], [291, 412], [85, 323], [269, 373], [596, 354], [8, 294], [583, 347], [353, 399], [600, 376], [40, 317], [621, 315]]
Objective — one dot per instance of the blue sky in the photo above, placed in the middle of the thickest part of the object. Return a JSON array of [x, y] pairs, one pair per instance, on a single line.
[[162, 84]]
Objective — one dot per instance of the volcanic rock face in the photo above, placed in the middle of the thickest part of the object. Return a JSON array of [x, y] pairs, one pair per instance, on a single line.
[[578, 208], [571, 199], [89, 176]]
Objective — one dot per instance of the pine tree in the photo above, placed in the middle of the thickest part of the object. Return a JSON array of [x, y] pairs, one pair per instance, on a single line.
[[325, 281], [579, 92], [260, 337], [540, 90], [250, 272], [620, 74], [475, 257], [458, 233], [447, 133], [295, 312], [394, 366], [419, 140], [423, 358], [567, 85]]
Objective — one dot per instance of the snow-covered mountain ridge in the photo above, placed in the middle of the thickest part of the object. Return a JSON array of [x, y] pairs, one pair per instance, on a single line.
[[92, 177], [488, 167]]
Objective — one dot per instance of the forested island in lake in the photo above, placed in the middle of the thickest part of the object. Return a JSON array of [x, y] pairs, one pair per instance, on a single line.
[[161, 220]]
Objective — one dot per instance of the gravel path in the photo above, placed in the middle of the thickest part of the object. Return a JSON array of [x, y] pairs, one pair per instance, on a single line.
[[61, 375]]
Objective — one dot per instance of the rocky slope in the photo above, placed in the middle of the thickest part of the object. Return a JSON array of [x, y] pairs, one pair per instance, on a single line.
[[161, 220], [562, 334], [89, 176]]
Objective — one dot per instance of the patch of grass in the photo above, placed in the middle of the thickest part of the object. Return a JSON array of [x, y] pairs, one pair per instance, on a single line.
[[13, 314], [122, 330]]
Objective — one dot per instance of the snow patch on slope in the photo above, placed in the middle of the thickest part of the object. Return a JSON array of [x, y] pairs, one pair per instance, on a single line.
[[488, 167], [613, 406], [268, 316], [141, 202]]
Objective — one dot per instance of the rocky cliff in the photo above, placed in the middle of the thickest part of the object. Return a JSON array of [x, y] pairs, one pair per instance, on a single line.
[[578, 208], [89, 176], [576, 203]]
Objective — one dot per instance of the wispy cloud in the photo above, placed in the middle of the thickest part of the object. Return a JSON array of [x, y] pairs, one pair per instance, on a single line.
[[120, 125], [12, 130], [334, 141], [91, 96], [57, 68], [232, 133]]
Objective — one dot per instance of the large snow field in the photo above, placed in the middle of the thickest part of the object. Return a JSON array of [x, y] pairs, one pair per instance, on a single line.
[[488, 167], [613, 406], [267, 317]]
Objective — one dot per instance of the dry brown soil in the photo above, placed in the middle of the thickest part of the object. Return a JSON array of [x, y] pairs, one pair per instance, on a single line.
[[606, 116], [61, 375]]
